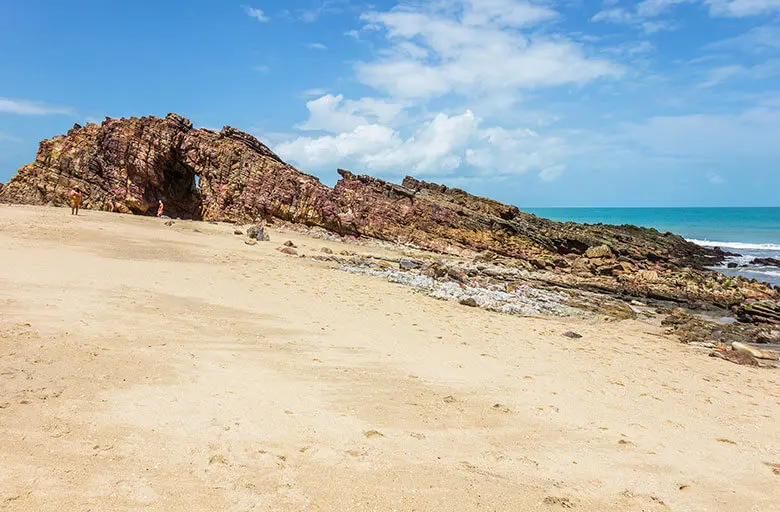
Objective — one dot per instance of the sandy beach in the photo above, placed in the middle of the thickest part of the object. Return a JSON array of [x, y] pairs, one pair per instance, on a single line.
[[148, 367]]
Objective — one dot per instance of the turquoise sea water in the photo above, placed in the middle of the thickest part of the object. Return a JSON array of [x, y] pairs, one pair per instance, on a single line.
[[751, 232]]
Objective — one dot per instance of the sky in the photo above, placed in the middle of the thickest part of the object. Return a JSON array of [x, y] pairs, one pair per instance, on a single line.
[[538, 104]]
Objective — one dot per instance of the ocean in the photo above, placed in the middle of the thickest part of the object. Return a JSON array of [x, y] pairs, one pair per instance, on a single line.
[[750, 232]]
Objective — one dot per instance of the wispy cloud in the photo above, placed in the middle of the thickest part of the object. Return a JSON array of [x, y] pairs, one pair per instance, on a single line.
[[31, 108], [310, 93], [9, 138], [324, 7], [316, 46], [258, 14], [262, 69], [722, 74]]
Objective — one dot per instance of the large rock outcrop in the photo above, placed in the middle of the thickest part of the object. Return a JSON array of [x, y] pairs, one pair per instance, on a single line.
[[129, 164]]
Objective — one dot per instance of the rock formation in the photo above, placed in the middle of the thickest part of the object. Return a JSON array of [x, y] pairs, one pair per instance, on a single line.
[[127, 165]]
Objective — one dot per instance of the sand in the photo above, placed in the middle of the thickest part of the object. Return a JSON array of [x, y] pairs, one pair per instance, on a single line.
[[146, 367]]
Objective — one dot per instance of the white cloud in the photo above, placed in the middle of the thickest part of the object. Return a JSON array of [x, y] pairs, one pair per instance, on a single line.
[[435, 147], [258, 14], [316, 46], [717, 8], [742, 8], [765, 38], [650, 8], [308, 93], [716, 76], [503, 151], [616, 14], [262, 69], [472, 47], [338, 149], [637, 19], [332, 114], [443, 145], [31, 108]]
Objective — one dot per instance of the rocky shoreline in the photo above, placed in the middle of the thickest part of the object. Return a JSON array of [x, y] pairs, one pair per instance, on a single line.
[[491, 255]]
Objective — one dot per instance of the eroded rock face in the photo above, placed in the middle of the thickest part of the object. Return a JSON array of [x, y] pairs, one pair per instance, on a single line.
[[128, 165]]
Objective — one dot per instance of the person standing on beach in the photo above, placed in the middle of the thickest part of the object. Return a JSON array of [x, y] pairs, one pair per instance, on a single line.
[[75, 200], [160, 208]]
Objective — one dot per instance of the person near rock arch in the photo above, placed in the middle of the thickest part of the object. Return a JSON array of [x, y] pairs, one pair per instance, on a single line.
[[160, 208], [75, 200]]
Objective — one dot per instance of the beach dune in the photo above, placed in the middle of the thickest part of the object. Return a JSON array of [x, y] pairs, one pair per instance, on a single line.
[[154, 367]]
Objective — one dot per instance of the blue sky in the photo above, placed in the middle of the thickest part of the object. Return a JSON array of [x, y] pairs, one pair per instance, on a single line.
[[570, 103]]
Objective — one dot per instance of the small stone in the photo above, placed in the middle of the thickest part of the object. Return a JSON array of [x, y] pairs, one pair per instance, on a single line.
[[289, 243], [169, 223], [572, 335], [288, 250], [449, 399], [325, 250], [470, 302], [238, 232], [408, 265], [373, 433], [257, 232], [732, 265], [217, 459], [250, 242], [601, 251]]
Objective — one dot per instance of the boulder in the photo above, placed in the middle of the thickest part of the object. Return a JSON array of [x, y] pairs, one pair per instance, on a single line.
[[257, 232], [601, 251], [735, 357]]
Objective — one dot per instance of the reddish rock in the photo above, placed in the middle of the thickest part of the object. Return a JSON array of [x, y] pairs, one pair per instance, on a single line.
[[128, 165]]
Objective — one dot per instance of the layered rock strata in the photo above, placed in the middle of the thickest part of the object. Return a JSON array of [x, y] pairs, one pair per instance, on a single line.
[[128, 165]]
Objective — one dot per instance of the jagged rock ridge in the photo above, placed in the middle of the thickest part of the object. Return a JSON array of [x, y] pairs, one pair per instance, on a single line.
[[230, 175]]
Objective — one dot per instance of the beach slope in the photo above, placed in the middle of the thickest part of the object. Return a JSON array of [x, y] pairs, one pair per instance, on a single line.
[[154, 367]]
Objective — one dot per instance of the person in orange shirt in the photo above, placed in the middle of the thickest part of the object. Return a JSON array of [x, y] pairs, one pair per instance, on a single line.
[[75, 200], [160, 208]]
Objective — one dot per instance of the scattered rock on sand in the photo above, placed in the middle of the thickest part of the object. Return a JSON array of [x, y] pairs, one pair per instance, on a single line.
[[288, 250], [758, 354], [735, 356], [325, 250], [238, 232], [373, 433], [257, 232], [250, 242], [469, 301], [289, 243], [169, 223], [562, 502], [572, 335]]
